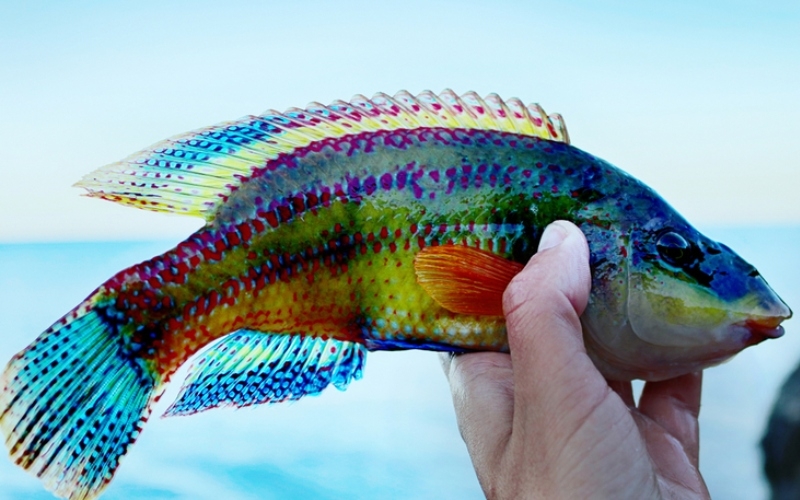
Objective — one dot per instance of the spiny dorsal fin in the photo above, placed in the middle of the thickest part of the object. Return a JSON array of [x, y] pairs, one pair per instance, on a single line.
[[193, 173]]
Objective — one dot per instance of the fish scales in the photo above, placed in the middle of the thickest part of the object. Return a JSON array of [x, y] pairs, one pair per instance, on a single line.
[[377, 224], [332, 254]]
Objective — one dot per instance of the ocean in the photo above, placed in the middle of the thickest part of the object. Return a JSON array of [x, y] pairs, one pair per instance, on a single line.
[[390, 435]]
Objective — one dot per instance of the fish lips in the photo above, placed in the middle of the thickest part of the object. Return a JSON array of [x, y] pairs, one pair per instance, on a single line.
[[749, 332], [759, 330]]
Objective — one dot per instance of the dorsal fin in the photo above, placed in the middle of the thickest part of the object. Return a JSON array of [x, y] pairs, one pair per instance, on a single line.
[[193, 173]]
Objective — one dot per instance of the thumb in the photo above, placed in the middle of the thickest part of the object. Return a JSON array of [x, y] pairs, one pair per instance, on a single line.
[[543, 304], [562, 261]]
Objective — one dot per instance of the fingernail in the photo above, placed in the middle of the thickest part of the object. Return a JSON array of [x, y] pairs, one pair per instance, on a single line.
[[553, 235]]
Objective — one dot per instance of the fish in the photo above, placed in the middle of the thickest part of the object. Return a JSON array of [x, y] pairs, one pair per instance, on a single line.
[[388, 223]]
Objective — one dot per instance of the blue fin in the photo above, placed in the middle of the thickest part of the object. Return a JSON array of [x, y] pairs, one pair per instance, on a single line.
[[74, 400], [248, 368]]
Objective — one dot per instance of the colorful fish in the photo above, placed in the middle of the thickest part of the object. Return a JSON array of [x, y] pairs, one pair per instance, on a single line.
[[382, 224]]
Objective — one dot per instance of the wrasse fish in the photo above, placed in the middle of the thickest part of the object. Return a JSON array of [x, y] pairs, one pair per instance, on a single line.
[[390, 223]]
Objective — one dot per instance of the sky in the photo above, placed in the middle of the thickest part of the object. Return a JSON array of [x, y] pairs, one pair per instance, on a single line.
[[698, 99]]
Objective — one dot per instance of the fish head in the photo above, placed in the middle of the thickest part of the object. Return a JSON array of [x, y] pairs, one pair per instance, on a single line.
[[667, 300], [687, 290], [693, 302]]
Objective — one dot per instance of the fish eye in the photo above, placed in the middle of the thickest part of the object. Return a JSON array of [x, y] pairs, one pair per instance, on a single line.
[[674, 248]]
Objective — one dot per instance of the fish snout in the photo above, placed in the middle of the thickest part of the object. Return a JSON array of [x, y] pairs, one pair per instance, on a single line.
[[765, 322]]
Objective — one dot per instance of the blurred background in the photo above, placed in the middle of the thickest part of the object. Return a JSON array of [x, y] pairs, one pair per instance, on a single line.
[[698, 99]]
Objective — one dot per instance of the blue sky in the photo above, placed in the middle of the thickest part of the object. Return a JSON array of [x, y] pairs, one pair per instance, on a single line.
[[698, 99]]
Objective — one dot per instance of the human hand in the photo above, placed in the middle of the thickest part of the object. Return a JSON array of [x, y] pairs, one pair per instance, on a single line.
[[542, 422]]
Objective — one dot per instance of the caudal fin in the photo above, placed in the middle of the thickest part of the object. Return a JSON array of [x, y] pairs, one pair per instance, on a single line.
[[74, 400]]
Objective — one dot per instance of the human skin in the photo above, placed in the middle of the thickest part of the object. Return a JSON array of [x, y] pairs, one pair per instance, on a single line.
[[542, 422]]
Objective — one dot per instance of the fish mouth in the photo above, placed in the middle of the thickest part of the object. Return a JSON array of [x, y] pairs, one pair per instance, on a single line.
[[762, 329]]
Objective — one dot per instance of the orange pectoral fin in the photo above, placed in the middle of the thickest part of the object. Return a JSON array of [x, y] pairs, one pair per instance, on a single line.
[[465, 280]]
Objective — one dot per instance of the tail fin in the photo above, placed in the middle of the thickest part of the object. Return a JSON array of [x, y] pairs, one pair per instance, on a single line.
[[75, 399]]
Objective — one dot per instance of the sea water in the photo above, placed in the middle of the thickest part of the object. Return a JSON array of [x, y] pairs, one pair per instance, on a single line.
[[390, 435]]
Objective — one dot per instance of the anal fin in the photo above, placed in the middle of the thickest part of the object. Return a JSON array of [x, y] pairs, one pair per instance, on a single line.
[[250, 367]]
